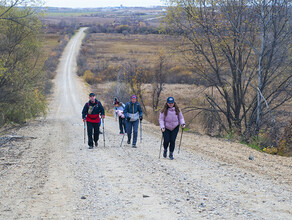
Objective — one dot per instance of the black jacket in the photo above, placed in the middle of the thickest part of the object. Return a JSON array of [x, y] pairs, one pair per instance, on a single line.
[[97, 109]]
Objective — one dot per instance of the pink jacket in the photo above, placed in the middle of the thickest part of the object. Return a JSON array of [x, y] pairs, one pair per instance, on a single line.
[[171, 121]]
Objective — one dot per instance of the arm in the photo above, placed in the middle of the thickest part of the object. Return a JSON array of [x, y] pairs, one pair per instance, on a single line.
[[116, 113], [84, 111], [126, 110], [161, 120], [181, 119], [101, 109], [140, 110]]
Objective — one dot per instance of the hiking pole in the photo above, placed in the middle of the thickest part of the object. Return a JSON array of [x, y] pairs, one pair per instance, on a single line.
[[84, 132], [103, 132], [160, 146], [180, 139], [122, 140], [140, 131]]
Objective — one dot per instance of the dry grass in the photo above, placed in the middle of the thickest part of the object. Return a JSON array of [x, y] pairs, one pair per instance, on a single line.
[[116, 49]]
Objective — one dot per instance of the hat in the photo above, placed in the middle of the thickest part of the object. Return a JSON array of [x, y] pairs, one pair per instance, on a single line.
[[91, 94], [133, 97], [170, 100]]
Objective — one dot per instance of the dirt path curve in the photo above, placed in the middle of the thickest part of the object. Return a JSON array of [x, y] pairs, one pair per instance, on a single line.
[[209, 179]]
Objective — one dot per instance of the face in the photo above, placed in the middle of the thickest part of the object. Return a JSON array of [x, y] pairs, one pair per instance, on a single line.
[[92, 98], [170, 105], [133, 100]]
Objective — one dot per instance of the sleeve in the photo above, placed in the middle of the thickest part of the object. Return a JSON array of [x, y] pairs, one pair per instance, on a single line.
[[101, 109], [84, 111], [116, 112], [181, 118], [126, 110], [140, 110], [123, 105], [161, 120]]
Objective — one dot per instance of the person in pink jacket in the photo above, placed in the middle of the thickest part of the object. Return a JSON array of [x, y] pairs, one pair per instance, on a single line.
[[169, 119]]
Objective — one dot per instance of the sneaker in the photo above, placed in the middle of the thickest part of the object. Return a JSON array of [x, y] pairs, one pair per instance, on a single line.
[[165, 153], [171, 155], [134, 146], [121, 133], [128, 142], [90, 147], [96, 144]]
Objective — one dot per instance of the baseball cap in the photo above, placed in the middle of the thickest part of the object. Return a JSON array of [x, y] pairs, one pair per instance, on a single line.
[[170, 100], [91, 94]]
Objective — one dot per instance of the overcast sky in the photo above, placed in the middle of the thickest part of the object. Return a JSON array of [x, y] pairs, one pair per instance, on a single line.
[[101, 3]]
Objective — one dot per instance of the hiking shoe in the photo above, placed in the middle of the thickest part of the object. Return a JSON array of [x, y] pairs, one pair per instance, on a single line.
[[96, 144], [90, 147], [128, 142], [165, 153], [134, 146], [171, 156]]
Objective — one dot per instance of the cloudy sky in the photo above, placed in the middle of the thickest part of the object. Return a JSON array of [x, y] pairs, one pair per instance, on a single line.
[[101, 3]]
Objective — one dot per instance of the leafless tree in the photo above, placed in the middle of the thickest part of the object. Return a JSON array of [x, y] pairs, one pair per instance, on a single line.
[[241, 48]]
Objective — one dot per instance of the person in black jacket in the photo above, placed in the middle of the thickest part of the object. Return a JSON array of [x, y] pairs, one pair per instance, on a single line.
[[133, 112], [90, 113]]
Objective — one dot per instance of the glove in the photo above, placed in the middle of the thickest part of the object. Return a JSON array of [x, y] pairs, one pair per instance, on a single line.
[[141, 118]]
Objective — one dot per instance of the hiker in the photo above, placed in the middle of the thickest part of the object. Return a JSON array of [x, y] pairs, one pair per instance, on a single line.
[[119, 110], [133, 113], [169, 119], [91, 111]]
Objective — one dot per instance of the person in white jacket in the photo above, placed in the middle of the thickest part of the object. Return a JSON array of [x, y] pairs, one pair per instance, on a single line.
[[119, 113]]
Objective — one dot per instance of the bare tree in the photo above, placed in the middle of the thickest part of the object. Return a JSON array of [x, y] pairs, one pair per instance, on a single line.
[[158, 82], [135, 76], [241, 48]]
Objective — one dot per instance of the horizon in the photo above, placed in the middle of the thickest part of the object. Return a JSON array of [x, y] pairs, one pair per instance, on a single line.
[[102, 3]]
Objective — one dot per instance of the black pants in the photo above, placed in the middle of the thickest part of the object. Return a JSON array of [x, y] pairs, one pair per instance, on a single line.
[[169, 138], [95, 128], [122, 124]]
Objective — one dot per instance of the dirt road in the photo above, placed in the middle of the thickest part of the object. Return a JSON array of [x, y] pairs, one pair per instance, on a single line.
[[209, 179]]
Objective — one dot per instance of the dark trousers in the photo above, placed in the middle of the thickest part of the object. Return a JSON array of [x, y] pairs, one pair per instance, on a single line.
[[122, 125], [92, 128], [169, 138], [134, 125]]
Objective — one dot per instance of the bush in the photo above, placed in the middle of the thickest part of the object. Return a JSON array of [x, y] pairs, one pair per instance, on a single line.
[[89, 77]]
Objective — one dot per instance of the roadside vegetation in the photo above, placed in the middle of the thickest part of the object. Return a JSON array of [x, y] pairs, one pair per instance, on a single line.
[[30, 52]]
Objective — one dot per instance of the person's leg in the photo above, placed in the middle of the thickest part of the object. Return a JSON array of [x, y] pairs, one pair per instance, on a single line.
[[121, 125], [173, 136], [129, 131], [124, 125], [135, 132], [89, 133], [96, 133], [166, 138]]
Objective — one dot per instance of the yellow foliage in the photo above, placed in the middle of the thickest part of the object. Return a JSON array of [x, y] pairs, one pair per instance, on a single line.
[[89, 77]]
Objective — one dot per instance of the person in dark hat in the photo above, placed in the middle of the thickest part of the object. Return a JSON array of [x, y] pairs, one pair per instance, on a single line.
[[133, 113], [169, 119], [90, 113]]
